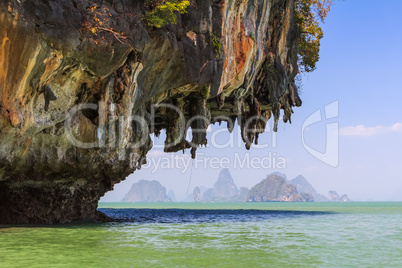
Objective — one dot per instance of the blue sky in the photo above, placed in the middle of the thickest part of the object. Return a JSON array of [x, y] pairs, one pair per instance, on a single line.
[[360, 67]]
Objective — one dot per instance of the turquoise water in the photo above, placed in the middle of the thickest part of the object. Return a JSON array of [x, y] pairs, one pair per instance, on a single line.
[[219, 235]]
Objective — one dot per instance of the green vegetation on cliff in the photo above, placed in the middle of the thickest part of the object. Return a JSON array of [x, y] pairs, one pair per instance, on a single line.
[[216, 43], [309, 13], [164, 12]]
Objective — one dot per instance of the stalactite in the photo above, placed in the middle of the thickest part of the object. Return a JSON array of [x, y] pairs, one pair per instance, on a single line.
[[201, 119]]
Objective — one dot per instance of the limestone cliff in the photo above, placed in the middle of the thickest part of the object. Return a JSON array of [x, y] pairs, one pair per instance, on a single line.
[[79, 78]]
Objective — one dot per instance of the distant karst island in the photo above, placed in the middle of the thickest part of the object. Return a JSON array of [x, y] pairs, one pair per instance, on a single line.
[[224, 190], [274, 188], [147, 191]]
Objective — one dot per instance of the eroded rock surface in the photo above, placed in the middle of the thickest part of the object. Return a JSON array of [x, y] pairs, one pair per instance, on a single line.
[[53, 60]]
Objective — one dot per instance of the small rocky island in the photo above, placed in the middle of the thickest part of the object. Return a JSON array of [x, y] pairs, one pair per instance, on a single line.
[[147, 191], [334, 197]]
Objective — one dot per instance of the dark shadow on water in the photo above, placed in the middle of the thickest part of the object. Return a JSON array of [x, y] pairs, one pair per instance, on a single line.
[[203, 216], [181, 216]]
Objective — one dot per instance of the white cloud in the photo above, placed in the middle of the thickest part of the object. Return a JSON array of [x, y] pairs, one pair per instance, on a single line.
[[363, 131]]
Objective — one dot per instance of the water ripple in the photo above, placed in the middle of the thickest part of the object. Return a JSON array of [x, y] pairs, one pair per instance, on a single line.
[[202, 216]]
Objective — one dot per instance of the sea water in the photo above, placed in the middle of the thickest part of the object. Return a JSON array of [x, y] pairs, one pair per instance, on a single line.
[[215, 235]]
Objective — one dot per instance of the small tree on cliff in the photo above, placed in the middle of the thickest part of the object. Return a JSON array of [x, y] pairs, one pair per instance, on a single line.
[[98, 21], [163, 12], [309, 14]]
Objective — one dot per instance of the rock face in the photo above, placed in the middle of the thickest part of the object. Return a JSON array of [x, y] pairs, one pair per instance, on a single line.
[[77, 99], [147, 191], [303, 186], [274, 189]]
